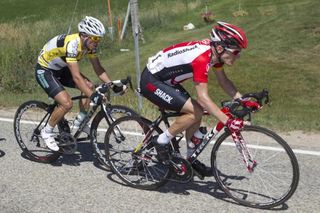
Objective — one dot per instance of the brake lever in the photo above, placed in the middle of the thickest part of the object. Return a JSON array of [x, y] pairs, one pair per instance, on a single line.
[[265, 95], [127, 81]]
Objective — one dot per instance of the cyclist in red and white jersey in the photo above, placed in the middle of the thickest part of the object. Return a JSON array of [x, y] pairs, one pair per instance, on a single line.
[[58, 67], [160, 82]]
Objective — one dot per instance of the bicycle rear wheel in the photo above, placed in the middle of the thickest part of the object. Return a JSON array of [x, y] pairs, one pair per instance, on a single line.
[[100, 125], [28, 122], [274, 178], [132, 160]]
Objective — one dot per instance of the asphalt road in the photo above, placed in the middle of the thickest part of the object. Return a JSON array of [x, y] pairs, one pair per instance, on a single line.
[[77, 183]]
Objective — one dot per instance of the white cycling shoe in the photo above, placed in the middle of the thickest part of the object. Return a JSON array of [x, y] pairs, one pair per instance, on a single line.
[[49, 140]]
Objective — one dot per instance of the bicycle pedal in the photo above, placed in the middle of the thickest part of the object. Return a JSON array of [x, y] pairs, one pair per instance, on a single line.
[[196, 173]]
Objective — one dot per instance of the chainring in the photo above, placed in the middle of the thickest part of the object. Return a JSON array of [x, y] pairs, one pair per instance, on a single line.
[[67, 143], [182, 169]]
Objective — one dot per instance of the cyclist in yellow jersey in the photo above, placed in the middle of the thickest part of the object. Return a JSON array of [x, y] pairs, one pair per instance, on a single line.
[[58, 67]]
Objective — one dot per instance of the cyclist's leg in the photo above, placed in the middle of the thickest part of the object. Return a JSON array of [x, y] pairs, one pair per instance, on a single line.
[[48, 80], [194, 104], [84, 104], [172, 98], [51, 82], [189, 121], [67, 80], [65, 105]]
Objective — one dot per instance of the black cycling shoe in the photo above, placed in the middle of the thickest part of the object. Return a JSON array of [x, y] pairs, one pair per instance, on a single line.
[[201, 169], [163, 150]]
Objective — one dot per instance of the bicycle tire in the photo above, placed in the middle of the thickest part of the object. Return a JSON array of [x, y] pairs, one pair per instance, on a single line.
[[99, 128], [142, 169], [26, 120], [275, 160]]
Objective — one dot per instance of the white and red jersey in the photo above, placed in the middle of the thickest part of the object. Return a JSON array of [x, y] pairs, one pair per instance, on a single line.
[[183, 61]]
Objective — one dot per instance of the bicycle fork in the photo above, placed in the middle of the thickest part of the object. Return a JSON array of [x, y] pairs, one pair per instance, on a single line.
[[244, 151]]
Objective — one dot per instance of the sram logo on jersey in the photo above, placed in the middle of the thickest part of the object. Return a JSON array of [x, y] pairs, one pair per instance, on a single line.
[[177, 52], [164, 96]]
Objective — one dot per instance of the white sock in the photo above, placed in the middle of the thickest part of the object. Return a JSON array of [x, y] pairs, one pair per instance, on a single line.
[[165, 137], [48, 128]]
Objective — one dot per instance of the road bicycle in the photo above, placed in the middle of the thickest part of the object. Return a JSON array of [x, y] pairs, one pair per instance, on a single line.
[[255, 167], [33, 115]]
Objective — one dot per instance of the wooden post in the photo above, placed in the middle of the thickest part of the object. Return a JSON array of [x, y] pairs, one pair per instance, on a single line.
[[110, 28]]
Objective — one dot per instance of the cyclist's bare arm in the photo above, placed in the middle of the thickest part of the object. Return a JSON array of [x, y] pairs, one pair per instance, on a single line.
[[78, 79], [99, 70], [226, 84], [206, 102]]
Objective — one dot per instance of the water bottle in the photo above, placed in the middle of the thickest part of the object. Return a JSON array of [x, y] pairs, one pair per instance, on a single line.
[[196, 140], [79, 119]]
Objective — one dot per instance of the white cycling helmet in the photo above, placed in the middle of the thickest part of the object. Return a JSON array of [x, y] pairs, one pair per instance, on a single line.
[[91, 26]]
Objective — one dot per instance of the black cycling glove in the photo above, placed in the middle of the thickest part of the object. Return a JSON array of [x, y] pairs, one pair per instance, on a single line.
[[96, 98]]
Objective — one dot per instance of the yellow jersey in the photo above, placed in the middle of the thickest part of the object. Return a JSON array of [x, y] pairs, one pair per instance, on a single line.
[[61, 50]]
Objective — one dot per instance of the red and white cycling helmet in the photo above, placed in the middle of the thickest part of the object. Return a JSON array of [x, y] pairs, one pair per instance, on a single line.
[[91, 26], [228, 35]]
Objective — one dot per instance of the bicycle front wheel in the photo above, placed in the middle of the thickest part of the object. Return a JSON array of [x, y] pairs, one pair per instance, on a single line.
[[134, 161], [29, 119], [274, 175], [100, 125]]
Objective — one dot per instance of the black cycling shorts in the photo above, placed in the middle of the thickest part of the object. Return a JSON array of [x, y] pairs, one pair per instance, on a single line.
[[52, 81], [161, 94]]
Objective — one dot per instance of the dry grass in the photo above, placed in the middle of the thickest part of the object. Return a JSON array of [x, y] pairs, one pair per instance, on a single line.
[[21, 33], [282, 54]]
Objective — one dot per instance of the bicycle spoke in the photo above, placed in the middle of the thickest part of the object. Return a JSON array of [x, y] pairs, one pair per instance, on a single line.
[[30, 118], [269, 184], [100, 125], [148, 172]]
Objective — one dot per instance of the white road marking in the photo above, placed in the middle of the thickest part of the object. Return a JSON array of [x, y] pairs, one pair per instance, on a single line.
[[296, 151]]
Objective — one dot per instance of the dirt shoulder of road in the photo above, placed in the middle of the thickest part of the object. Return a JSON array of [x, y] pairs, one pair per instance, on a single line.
[[297, 138]]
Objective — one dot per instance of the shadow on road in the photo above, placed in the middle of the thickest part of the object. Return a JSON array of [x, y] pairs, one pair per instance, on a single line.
[[207, 186], [84, 153], [2, 153]]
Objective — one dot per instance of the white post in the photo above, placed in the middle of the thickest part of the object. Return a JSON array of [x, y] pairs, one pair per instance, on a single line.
[[136, 31], [125, 22]]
